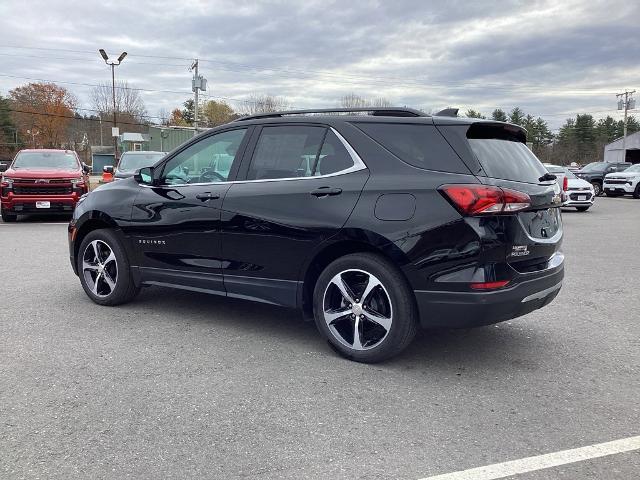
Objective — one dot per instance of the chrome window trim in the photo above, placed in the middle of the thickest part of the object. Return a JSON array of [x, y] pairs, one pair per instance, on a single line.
[[358, 164]]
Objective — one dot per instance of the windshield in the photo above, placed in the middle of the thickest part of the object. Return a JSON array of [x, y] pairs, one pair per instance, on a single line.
[[595, 167], [134, 161], [633, 168], [46, 161]]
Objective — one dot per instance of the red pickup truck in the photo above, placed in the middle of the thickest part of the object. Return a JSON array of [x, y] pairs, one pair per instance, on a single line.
[[42, 181]]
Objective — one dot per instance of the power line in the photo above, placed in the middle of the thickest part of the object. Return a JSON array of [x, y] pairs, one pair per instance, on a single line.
[[420, 82]]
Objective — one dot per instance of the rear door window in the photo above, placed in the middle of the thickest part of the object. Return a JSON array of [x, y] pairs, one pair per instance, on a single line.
[[287, 151], [502, 153], [416, 144]]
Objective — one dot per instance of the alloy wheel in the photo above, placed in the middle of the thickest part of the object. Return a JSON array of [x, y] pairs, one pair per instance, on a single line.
[[100, 268], [597, 190], [357, 309]]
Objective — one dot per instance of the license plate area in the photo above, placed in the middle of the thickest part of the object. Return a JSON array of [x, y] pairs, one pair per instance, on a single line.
[[42, 204], [582, 197]]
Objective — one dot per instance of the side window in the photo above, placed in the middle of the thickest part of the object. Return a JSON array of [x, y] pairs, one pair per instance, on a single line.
[[418, 145], [286, 151], [208, 160], [333, 156]]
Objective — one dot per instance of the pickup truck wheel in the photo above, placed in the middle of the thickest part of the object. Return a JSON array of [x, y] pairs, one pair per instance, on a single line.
[[597, 188], [104, 269], [8, 217], [636, 192]]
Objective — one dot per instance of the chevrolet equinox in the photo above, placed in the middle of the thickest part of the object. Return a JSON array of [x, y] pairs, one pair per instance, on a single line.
[[370, 221]]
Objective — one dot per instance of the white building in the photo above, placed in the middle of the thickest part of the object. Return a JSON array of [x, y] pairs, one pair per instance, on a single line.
[[613, 151]]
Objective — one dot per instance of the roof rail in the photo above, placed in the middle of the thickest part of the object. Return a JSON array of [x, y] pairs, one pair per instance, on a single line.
[[374, 111]]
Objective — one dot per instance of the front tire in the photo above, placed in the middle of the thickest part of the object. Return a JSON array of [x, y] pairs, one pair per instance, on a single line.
[[636, 192], [8, 217], [104, 271], [364, 307], [597, 188]]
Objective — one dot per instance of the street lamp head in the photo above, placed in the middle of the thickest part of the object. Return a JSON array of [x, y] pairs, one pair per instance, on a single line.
[[121, 57], [104, 54]]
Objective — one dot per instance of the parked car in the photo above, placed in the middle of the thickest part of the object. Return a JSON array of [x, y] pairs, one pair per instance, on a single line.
[[402, 220], [620, 183], [42, 181], [578, 193], [594, 173], [132, 161]]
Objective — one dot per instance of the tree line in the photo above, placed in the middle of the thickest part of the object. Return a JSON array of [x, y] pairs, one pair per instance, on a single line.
[[47, 115]]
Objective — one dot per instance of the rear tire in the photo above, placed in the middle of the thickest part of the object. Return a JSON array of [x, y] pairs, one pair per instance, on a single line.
[[9, 217], [104, 271], [582, 209], [385, 320], [636, 192]]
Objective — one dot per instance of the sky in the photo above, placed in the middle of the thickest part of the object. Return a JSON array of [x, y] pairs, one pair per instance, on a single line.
[[553, 59]]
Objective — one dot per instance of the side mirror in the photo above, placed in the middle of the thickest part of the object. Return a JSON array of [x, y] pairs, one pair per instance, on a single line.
[[86, 168], [144, 176], [108, 169], [4, 167]]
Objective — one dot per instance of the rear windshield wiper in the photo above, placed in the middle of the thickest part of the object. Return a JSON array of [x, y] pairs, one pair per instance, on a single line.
[[546, 177]]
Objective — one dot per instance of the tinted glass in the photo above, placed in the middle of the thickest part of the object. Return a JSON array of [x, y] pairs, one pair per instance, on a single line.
[[634, 168], [333, 156], [595, 167], [286, 152], [419, 145], [507, 159], [46, 160], [208, 160], [130, 162]]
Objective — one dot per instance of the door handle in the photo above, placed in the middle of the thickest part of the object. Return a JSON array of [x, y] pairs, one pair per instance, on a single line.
[[326, 191], [207, 196]]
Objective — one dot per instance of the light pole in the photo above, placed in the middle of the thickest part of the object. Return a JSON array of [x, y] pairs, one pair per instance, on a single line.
[[625, 104], [113, 64]]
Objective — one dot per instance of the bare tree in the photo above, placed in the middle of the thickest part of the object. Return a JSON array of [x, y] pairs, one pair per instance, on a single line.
[[128, 100], [356, 101], [263, 104]]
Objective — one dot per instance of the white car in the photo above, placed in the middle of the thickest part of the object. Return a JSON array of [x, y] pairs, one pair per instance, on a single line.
[[579, 193], [620, 183]]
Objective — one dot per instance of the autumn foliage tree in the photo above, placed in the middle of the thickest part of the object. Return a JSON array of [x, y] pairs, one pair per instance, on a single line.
[[45, 108]]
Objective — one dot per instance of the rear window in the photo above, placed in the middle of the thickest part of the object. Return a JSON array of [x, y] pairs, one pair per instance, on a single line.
[[500, 151], [418, 145]]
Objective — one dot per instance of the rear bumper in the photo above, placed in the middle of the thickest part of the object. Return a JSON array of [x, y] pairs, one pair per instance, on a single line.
[[442, 309]]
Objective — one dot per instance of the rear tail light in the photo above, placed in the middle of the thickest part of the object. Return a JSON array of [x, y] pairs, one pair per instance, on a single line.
[[565, 184], [473, 199]]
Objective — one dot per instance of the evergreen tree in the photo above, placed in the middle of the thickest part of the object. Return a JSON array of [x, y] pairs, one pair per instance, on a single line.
[[517, 116], [498, 115]]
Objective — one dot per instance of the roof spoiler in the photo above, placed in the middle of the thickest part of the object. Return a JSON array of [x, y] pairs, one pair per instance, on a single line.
[[448, 112]]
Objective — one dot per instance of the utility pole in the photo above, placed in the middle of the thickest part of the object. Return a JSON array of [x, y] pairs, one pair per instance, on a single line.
[[197, 83], [627, 104], [113, 64]]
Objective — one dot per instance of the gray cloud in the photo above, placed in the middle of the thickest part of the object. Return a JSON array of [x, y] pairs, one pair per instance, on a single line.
[[551, 58]]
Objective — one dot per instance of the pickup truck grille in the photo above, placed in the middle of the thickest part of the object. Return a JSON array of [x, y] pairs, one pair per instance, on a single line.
[[615, 182], [42, 189]]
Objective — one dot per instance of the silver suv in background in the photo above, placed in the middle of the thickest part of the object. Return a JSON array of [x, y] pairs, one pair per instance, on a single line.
[[132, 161], [578, 193]]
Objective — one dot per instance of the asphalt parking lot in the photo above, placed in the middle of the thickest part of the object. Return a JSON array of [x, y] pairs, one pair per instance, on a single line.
[[184, 385]]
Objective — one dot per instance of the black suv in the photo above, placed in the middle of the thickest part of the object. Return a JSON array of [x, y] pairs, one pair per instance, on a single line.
[[372, 222], [595, 172]]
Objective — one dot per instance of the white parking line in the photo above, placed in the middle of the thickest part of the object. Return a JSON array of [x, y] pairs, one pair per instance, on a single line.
[[540, 462]]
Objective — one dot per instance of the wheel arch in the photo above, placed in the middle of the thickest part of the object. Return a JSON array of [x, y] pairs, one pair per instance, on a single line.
[[91, 221], [332, 252]]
